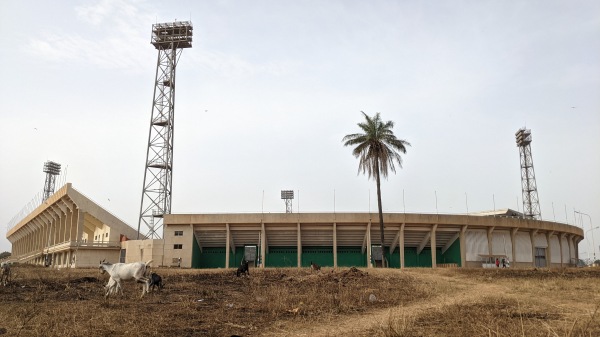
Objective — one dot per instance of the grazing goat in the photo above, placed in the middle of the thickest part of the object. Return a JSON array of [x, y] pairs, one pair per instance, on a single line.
[[155, 281], [4, 273], [122, 272], [113, 287], [314, 266], [243, 269]]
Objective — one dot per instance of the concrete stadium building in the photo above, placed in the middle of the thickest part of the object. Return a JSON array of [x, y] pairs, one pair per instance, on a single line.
[[68, 230], [353, 239], [71, 230]]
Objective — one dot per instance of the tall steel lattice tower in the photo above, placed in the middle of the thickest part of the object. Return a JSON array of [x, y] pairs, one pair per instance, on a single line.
[[287, 196], [51, 169], [531, 203], [169, 39]]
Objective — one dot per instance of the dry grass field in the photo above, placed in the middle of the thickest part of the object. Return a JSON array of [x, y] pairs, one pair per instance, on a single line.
[[294, 302]]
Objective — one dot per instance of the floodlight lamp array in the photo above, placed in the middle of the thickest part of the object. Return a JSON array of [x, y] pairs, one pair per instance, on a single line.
[[523, 137], [287, 194], [52, 168]]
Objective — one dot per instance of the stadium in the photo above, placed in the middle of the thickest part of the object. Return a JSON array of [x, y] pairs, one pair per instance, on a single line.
[[70, 230]]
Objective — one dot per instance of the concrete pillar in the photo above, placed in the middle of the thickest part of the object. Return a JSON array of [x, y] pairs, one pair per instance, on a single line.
[[490, 232], [463, 245], [433, 247], [263, 244], [369, 264], [71, 225], [299, 246], [560, 246], [513, 240], [570, 243], [227, 247], [63, 227], [80, 221], [401, 245], [335, 255], [549, 249], [576, 242], [532, 238]]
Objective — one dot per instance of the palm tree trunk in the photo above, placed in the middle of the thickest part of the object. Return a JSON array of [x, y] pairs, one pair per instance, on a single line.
[[383, 258]]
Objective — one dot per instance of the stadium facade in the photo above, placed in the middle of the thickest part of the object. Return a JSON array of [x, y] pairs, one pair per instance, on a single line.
[[70, 230]]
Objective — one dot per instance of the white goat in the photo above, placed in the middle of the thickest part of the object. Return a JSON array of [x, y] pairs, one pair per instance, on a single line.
[[122, 272], [4, 273], [113, 287]]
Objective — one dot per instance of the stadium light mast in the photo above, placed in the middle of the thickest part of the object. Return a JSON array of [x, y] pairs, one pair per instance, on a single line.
[[51, 169], [169, 39], [531, 204], [287, 196]]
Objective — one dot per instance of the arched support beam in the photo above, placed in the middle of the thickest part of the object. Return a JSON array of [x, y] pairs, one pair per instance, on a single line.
[[450, 242], [423, 243]]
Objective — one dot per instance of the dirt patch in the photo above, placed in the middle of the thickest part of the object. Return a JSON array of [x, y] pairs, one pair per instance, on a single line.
[[285, 302]]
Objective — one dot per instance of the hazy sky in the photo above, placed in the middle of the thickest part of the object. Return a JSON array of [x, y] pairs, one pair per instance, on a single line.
[[270, 88]]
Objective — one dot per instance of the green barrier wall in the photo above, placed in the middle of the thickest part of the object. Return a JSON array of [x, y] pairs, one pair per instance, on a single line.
[[452, 255], [282, 257], [323, 256], [351, 257], [411, 259], [236, 259]]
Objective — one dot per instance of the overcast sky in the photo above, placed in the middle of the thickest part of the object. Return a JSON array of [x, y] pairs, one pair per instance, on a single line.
[[270, 88]]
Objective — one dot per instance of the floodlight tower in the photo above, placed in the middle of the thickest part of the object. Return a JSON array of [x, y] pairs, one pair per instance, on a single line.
[[51, 169], [288, 196], [531, 204], [169, 39]]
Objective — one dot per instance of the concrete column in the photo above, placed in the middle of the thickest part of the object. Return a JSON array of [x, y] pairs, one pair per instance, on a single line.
[[532, 238], [80, 221], [560, 246], [27, 242], [299, 246], [463, 245], [490, 232], [401, 245], [70, 222], [570, 243], [335, 255], [369, 265], [63, 226], [433, 247], [58, 223], [227, 247], [513, 240], [263, 244], [549, 249]]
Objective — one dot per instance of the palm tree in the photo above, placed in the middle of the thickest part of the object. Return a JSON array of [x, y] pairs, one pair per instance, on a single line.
[[377, 149]]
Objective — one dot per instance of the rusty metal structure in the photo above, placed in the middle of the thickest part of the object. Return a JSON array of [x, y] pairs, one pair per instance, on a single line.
[[169, 39], [531, 204]]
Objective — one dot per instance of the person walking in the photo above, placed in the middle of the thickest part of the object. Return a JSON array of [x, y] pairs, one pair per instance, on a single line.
[[497, 263]]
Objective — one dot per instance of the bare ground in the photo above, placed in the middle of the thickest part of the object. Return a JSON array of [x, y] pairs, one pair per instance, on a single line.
[[297, 302]]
